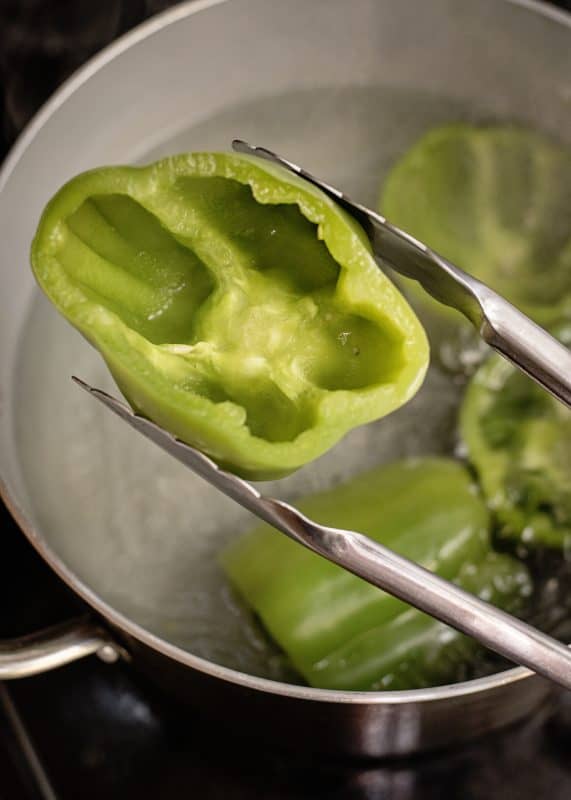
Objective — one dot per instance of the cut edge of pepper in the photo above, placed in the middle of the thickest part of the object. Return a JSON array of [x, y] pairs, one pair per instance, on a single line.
[[231, 445]]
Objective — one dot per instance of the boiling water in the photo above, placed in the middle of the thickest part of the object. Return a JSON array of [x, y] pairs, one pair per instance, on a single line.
[[133, 524]]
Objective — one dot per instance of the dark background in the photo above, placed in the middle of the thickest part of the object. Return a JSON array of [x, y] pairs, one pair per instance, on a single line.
[[90, 730]]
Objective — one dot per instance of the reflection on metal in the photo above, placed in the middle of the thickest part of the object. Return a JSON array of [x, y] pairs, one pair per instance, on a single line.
[[54, 647]]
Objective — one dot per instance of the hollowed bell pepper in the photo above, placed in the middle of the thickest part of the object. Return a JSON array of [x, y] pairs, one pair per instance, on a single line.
[[235, 305], [338, 630], [496, 201], [519, 439]]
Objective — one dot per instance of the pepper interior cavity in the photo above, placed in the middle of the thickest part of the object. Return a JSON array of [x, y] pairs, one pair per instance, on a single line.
[[232, 303]]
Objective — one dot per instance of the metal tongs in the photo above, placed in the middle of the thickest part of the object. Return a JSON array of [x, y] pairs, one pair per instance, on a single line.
[[498, 322], [503, 327]]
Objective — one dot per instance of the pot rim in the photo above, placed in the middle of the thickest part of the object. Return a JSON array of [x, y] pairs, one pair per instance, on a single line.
[[115, 618]]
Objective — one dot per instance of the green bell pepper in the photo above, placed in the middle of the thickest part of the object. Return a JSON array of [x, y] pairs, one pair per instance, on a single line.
[[235, 304], [519, 439], [427, 510], [413, 650], [496, 201]]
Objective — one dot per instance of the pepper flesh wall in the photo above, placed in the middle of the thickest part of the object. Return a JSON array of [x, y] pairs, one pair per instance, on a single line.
[[236, 305]]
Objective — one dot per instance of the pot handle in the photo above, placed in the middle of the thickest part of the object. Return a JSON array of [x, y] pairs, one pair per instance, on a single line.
[[56, 646]]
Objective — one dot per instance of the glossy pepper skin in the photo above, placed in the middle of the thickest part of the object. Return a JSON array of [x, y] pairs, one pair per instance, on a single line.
[[496, 201], [341, 632], [235, 305], [519, 439]]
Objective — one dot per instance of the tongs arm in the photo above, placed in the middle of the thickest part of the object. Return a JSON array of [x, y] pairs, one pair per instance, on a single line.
[[498, 322], [381, 567]]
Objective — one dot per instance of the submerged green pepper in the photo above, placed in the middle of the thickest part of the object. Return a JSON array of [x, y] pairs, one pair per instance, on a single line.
[[338, 630], [414, 650], [519, 439], [496, 201], [235, 304]]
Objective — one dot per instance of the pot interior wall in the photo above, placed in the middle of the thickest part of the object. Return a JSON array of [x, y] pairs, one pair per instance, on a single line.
[[342, 93]]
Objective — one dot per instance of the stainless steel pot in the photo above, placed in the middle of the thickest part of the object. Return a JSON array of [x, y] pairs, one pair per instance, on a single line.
[[130, 531]]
